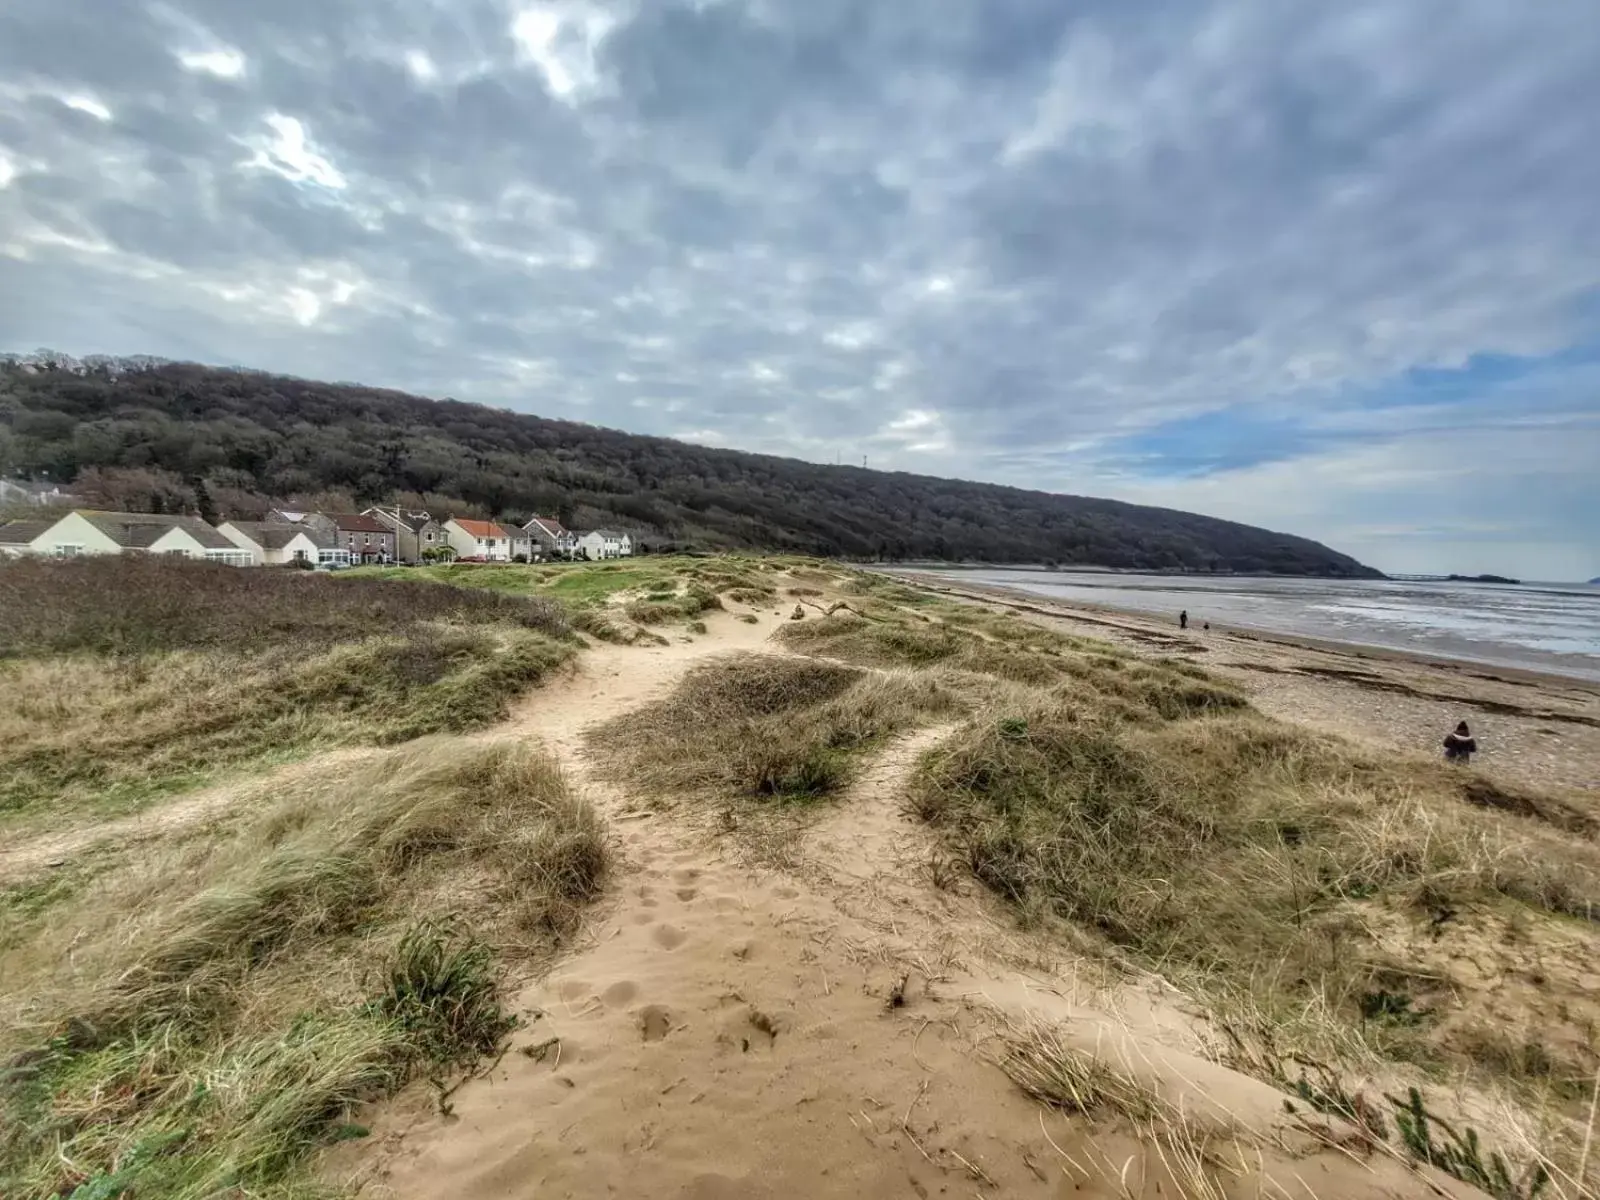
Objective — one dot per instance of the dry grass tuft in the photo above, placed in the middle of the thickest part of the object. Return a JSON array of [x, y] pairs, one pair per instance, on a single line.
[[767, 727], [86, 732], [226, 1001], [1193, 1158], [1235, 848]]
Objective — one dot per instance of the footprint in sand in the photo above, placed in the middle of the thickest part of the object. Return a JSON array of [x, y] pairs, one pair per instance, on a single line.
[[687, 894], [785, 892], [620, 993], [686, 875], [655, 1022], [669, 937]]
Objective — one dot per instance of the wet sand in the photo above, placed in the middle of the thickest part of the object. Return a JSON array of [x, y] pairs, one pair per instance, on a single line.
[[1534, 729]]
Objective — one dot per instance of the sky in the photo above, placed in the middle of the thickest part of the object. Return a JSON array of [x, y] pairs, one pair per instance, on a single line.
[[1327, 268]]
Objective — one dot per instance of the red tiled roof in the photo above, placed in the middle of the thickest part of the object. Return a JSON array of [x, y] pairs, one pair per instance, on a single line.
[[481, 529]]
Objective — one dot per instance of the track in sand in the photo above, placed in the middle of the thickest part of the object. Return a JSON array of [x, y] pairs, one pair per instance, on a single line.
[[726, 1029]]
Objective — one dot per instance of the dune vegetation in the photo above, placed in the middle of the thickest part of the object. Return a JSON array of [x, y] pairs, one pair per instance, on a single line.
[[230, 996], [123, 678], [622, 601], [1397, 944], [1332, 911]]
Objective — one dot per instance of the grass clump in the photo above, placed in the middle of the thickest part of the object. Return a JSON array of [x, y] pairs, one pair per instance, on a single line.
[[1271, 869], [764, 727], [230, 999], [442, 992], [696, 600]]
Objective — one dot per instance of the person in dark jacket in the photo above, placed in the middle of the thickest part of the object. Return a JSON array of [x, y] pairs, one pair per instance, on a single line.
[[1183, 619], [1460, 746]]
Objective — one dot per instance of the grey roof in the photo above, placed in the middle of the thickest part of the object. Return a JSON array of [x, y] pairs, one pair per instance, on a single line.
[[20, 533], [140, 531], [275, 535]]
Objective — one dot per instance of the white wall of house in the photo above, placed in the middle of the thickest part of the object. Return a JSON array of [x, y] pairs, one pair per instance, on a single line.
[[72, 536], [177, 543], [301, 546], [258, 555], [469, 545], [597, 546]]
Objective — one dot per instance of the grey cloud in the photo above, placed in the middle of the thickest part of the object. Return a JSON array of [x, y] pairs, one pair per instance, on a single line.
[[790, 224]]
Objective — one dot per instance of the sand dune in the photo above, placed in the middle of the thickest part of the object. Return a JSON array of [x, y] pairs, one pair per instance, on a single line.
[[729, 1028]]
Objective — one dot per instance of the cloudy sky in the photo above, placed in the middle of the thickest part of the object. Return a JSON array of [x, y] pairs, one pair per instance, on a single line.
[[1330, 268]]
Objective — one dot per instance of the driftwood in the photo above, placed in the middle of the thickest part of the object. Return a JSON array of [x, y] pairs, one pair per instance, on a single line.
[[836, 606]]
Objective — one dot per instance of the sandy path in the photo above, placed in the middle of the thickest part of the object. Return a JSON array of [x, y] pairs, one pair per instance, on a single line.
[[724, 1029]]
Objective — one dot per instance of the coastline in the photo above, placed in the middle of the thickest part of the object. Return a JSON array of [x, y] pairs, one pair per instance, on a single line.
[[1536, 728]]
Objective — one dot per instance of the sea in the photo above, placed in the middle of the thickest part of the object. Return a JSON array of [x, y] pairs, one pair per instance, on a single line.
[[1549, 627]]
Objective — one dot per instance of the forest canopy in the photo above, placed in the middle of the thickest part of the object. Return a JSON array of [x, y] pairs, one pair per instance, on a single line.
[[162, 436]]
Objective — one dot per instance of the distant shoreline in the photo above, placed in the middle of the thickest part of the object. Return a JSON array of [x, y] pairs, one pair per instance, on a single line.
[[1135, 619]]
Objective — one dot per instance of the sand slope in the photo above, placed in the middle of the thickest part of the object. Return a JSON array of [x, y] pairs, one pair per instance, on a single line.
[[724, 1029]]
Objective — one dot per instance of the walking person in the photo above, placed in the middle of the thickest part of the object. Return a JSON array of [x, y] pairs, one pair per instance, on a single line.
[[1460, 746], [1183, 619]]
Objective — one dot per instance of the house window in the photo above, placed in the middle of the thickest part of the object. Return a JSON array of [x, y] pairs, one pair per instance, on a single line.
[[68, 551], [176, 553], [299, 556], [430, 537], [366, 539]]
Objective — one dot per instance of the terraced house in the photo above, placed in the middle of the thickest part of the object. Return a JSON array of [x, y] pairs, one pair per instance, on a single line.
[[416, 533], [365, 539]]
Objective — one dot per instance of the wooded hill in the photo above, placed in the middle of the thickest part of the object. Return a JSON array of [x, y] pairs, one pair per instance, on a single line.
[[153, 435]]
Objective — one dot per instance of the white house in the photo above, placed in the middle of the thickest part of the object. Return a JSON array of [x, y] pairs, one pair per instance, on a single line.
[[487, 540], [89, 531], [270, 544], [604, 543]]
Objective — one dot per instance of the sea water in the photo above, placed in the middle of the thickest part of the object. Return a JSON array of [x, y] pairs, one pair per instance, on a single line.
[[1537, 626]]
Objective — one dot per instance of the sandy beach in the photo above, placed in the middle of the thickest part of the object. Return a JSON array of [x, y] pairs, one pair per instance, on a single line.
[[1534, 729]]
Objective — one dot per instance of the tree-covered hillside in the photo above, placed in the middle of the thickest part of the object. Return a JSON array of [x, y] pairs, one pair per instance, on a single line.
[[150, 434]]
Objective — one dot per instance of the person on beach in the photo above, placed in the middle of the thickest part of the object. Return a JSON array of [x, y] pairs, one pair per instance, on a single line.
[[1460, 746], [1183, 619]]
